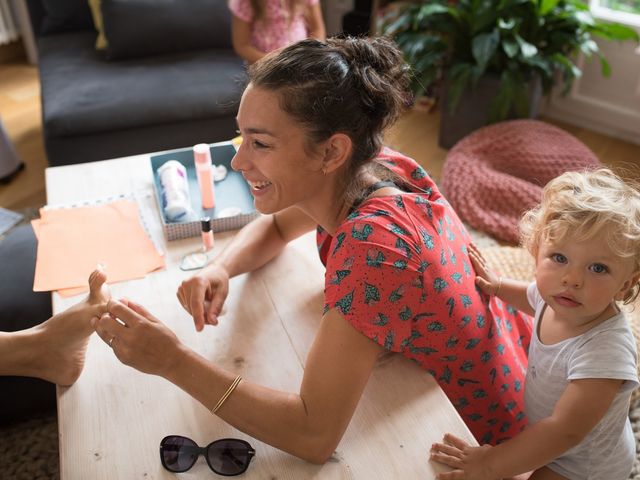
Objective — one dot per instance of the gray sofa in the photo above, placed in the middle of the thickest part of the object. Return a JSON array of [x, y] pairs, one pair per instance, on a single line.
[[169, 77]]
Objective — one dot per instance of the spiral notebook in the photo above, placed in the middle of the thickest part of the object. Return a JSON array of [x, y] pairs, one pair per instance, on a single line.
[[114, 232]]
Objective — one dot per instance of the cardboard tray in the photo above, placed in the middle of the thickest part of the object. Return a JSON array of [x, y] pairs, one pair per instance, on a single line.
[[233, 191]]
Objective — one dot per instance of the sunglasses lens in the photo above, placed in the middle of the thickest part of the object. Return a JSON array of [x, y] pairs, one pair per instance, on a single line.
[[178, 453], [229, 457]]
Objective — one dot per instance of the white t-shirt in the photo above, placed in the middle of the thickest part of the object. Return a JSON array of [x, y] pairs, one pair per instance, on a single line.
[[606, 351]]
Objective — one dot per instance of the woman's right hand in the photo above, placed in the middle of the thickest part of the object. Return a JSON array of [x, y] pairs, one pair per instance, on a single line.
[[138, 339], [203, 295]]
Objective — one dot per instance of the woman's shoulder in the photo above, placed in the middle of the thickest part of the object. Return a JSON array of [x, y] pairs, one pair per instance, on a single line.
[[406, 168]]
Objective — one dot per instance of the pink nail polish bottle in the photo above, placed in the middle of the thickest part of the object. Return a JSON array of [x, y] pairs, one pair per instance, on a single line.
[[202, 160], [207, 233]]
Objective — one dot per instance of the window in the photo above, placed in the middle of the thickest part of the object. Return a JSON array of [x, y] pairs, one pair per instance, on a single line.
[[626, 6], [622, 11]]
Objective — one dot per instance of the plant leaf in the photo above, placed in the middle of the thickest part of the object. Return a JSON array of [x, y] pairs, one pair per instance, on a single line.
[[429, 9], [527, 49], [506, 24], [545, 6], [510, 48], [501, 103], [589, 47], [615, 31], [484, 47], [458, 81], [605, 68], [585, 18], [483, 16]]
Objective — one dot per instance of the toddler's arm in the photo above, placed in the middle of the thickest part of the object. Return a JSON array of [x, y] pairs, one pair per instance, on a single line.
[[315, 22], [241, 41], [578, 411], [513, 292]]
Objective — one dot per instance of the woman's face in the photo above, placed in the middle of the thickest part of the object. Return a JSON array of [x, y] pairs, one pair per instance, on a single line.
[[272, 157]]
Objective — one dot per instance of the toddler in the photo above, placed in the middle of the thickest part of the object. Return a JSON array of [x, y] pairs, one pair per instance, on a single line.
[[585, 238], [261, 26]]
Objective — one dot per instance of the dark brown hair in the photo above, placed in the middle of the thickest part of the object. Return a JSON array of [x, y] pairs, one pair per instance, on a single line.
[[354, 86]]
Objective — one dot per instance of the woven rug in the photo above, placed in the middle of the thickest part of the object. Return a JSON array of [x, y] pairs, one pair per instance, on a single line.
[[30, 448]]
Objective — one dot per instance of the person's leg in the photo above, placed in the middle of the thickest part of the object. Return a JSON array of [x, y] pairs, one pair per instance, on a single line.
[[55, 350], [59, 343], [21, 308]]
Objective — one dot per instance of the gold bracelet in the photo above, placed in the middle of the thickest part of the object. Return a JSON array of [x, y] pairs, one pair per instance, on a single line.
[[499, 285], [226, 395]]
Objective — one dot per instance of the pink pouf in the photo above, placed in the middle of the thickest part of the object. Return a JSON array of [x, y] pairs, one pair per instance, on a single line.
[[492, 176]]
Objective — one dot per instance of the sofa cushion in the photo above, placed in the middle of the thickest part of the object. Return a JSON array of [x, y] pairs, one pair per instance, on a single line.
[[65, 15], [135, 28], [84, 94]]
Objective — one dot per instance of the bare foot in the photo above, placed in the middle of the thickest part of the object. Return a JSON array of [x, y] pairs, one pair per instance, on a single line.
[[62, 340]]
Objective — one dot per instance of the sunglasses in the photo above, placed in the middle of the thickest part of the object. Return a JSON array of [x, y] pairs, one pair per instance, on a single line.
[[227, 456]]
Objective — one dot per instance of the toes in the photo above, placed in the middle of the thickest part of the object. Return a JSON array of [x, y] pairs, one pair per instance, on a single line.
[[97, 281]]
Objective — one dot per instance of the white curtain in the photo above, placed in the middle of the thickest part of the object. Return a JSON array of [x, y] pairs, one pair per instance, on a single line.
[[8, 24]]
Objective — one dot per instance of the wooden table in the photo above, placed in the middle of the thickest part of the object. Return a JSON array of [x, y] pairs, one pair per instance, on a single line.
[[112, 420]]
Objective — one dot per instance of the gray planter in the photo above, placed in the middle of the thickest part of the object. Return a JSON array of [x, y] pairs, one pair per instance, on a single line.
[[473, 110]]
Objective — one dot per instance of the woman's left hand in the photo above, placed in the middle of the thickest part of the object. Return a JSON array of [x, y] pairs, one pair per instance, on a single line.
[[138, 338], [468, 462]]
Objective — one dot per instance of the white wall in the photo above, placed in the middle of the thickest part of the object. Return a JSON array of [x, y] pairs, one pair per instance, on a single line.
[[607, 105]]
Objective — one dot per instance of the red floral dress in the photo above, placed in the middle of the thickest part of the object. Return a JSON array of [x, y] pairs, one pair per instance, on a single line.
[[399, 272]]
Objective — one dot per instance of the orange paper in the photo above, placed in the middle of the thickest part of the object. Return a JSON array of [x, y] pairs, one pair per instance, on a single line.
[[73, 241]]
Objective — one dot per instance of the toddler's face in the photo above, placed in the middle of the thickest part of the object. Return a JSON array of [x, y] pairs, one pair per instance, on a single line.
[[581, 280]]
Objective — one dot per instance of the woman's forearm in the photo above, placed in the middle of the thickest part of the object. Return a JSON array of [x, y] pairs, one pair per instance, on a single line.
[[308, 425], [261, 240], [276, 418], [248, 53], [253, 246]]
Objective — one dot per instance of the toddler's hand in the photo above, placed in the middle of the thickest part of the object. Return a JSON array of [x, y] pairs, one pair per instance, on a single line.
[[486, 279], [468, 462]]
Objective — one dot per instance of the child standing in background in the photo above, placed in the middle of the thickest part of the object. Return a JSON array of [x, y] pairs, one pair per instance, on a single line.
[[585, 237], [261, 26]]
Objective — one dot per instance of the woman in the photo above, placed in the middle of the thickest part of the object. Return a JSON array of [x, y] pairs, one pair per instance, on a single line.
[[398, 274]]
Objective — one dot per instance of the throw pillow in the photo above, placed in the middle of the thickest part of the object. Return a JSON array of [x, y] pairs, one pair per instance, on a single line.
[[96, 13], [64, 16], [146, 27]]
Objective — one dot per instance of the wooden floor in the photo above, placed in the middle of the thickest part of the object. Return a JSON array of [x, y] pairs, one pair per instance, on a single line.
[[415, 134], [21, 115]]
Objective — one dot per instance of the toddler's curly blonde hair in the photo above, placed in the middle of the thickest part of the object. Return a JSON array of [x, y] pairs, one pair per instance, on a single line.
[[581, 205]]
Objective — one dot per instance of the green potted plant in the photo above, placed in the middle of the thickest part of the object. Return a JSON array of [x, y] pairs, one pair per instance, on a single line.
[[495, 56]]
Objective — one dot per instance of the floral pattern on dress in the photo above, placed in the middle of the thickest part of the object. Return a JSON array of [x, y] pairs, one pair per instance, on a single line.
[[278, 29], [398, 270]]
